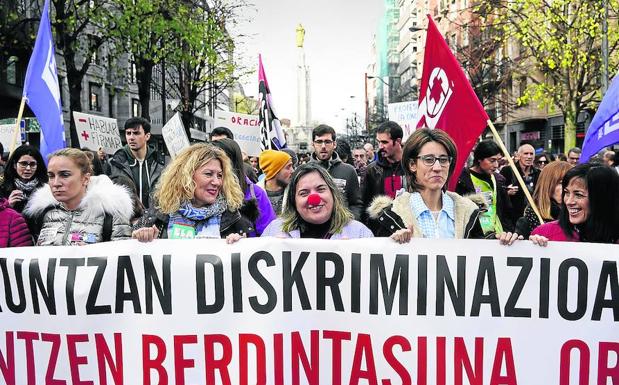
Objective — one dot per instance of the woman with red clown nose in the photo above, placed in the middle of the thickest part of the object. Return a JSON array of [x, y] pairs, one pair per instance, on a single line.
[[314, 208]]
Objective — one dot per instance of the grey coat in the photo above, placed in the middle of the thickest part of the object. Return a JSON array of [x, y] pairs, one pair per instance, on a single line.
[[84, 224]]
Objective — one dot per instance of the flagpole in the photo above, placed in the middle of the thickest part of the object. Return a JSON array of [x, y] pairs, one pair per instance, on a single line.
[[17, 130], [515, 172]]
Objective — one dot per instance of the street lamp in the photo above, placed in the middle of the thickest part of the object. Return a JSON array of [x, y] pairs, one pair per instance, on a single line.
[[414, 28], [378, 78], [367, 109]]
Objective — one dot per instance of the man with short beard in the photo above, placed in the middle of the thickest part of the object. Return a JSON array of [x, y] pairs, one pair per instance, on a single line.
[[344, 175], [530, 174], [137, 160], [277, 169]]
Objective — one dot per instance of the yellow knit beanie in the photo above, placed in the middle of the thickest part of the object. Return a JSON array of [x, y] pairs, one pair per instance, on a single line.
[[272, 161]]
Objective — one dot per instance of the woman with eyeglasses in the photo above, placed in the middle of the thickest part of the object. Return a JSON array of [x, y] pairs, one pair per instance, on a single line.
[[589, 208], [483, 179], [428, 210], [24, 173]]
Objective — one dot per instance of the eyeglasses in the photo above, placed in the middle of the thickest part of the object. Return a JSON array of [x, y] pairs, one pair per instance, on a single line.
[[542, 162], [24, 164], [429, 160], [320, 142]]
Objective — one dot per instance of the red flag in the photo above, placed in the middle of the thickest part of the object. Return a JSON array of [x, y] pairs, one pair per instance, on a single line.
[[446, 99]]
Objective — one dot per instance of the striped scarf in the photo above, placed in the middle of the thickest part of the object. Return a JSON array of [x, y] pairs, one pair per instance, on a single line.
[[204, 220]]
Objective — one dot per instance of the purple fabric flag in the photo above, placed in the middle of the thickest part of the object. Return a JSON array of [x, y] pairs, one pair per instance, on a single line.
[[604, 128], [271, 132], [41, 88]]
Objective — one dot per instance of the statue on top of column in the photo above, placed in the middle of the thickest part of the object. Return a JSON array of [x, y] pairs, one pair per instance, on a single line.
[[300, 35]]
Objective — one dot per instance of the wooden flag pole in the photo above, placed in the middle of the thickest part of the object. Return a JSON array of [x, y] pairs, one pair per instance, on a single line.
[[17, 130], [523, 186]]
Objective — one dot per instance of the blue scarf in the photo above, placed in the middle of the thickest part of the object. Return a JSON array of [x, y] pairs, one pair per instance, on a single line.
[[197, 222]]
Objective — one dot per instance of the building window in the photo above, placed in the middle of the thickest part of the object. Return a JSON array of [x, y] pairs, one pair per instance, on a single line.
[[135, 107], [94, 92], [465, 36], [11, 70], [60, 90], [132, 71], [95, 53], [111, 104], [523, 86]]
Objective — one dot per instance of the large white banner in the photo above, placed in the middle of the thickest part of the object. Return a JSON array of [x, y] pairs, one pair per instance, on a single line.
[[267, 311], [405, 114], [246, 129], [174, 135], [96, 131]]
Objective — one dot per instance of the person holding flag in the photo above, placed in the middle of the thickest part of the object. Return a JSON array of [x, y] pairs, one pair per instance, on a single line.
[[447, 101], [41, 90]]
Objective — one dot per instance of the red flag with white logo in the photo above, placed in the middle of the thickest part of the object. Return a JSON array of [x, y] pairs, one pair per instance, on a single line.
[[446, 99]]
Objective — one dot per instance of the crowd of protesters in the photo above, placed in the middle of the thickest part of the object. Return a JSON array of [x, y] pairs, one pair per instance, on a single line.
[[214, 190]]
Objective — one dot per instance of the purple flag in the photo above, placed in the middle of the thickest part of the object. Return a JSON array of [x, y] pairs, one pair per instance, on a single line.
[[41, 88], [604, 128]]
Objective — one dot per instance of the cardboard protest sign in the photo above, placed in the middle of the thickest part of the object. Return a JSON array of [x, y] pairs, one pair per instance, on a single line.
[[246, 130], [174, 135], [7, 131], [96, 131], [273, 311], [405, 114]]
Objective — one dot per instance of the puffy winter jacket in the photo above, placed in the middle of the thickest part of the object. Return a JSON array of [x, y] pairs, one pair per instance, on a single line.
[[13, 229], [60, 226]]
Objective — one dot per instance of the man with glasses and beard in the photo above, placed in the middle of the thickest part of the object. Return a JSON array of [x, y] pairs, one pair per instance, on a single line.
[[344, 175]]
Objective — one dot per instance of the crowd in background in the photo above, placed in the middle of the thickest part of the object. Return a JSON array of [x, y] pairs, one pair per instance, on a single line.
[[399, 190]]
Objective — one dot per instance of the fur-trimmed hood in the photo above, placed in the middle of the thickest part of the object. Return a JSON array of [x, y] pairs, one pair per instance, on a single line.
[[396, 213], [102, 196]]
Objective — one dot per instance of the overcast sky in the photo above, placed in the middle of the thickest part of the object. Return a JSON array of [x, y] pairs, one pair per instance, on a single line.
[[338, 41]]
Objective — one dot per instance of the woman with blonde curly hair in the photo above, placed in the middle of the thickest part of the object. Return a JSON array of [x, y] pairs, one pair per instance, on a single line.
[[314, 208], [198, 196]]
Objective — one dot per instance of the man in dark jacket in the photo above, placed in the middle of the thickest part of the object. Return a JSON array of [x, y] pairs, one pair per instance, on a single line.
[[343, 174], [138, 161], [530, 174], [386, 175]]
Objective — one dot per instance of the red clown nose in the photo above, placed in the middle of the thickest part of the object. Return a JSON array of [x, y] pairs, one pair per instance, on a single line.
[[313, 199]]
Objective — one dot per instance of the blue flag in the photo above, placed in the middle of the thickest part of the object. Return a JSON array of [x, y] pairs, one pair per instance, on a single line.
[[604, 128], [41, 88]]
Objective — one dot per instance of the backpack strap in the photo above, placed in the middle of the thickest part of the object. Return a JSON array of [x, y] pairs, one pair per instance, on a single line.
[[35, 224], [106, 235]]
